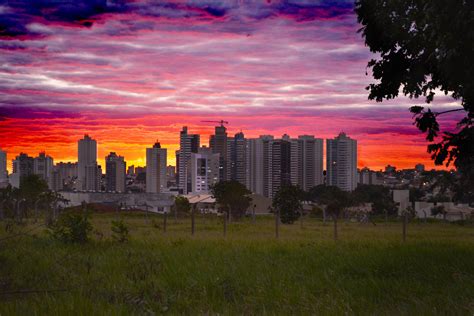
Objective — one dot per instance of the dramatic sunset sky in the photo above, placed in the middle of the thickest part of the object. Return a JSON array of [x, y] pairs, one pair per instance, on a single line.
[[130, 72]]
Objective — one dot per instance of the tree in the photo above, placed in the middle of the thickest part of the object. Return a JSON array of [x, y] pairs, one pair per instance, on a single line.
[[232, 196], [32, 186], [378, 195], [424, 46], [288, 202], [416, 194], [335, 200], [182, 205], [439, 210]]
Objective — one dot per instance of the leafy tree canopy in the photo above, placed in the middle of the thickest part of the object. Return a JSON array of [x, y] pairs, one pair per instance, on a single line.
[[232, 195], [288, 201], [378, 195], [182, 205], [425, 46]]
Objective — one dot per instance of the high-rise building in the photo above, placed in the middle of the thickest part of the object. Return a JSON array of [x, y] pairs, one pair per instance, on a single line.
[[23, 166], [131, 171], [341, 162], [256, 173], [43, 166], [3, 167], [204, 170], [188, 143], [278, 165], [171, 176], [87, 168], [156, 162], [64, 176], [115, 178], [238, 148], [219, 145], [307, 161]]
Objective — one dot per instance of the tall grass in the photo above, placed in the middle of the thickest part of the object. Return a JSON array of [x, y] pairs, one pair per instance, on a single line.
[[368, 271]]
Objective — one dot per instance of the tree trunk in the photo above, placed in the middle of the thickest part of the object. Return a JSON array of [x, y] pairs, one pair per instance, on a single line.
[[324, 216], [335, 228]]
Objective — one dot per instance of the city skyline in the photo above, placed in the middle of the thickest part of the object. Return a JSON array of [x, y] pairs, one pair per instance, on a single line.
[[102, 160], [137, 74]]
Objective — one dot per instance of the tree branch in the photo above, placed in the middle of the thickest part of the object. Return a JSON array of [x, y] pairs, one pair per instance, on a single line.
[[449, 111]]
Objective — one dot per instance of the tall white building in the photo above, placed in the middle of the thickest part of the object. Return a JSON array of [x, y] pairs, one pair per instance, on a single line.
[[255, 163], [204, 170], [3, 168], [188, 143], [156, 162], [43, 166], [115, 167], [88, 177], [307, 161], [341, 162]]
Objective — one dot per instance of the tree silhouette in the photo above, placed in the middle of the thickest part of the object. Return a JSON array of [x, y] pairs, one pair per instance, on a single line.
[[424, 46], [288, 201], [233, 196]]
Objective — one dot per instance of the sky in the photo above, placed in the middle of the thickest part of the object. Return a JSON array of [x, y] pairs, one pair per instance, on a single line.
[[129, 73]]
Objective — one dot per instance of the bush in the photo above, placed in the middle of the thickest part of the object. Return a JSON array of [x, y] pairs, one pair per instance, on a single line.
[[71, 228], [119, 231]]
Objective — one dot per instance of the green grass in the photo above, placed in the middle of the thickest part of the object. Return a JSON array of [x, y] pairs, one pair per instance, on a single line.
[[368, 271]]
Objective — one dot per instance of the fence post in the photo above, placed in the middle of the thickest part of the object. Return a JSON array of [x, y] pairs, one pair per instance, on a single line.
[[193, 219], [165, 218], [405, 219], [225, 223], [277, 223]]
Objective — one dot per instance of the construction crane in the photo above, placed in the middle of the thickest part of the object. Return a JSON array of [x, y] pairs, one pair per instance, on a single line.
[[222, 122]]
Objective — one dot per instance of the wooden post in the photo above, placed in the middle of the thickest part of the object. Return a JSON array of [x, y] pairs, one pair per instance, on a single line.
[[405, 219], [36, 210], [277, 223], [301, 218], [225, 223], [193, 219], [165, 218], [146, 213], [175, 213]]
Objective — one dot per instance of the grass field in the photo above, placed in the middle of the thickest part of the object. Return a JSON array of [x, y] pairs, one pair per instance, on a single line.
[[369, 270]]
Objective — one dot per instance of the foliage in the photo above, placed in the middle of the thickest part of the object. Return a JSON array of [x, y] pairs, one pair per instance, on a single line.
[[233, 196], [119, 231], [71, 227], [288, 201], [378, 195], [438, 210], [32, 186], [421, 50], [182, 205], [333, 197], [416, 194]]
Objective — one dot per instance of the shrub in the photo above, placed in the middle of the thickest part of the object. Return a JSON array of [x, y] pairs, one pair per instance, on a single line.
[[71, 228], [119, 231]]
